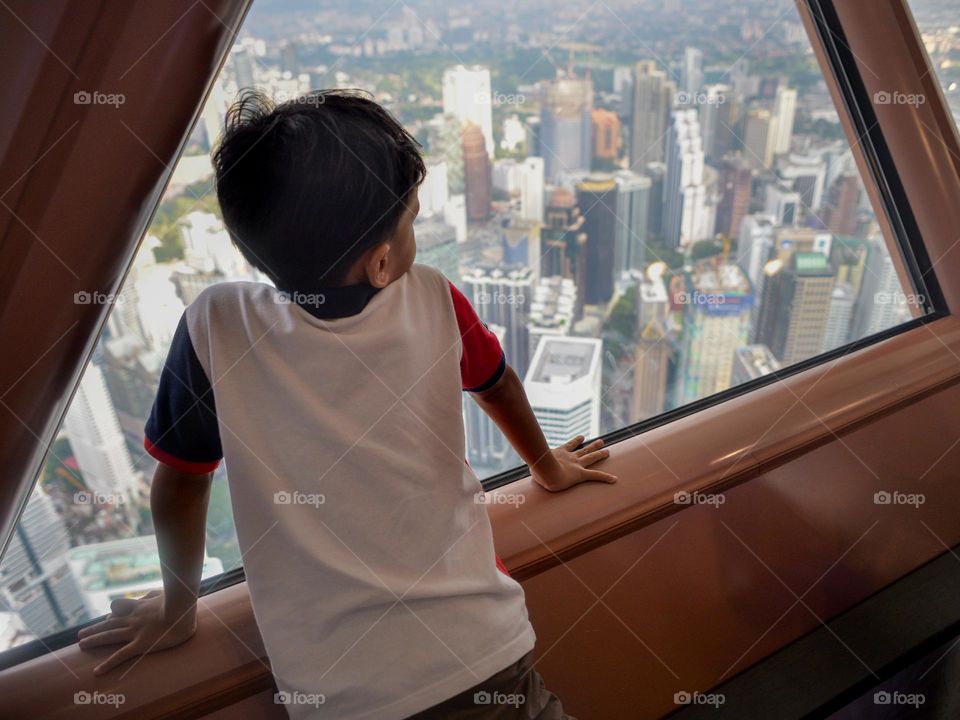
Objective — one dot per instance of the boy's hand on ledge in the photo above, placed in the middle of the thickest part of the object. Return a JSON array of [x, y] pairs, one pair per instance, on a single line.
[[567, 466], [142, 625]]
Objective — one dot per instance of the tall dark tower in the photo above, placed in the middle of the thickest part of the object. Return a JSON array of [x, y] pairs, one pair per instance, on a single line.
[[476, 172], [597, 199]]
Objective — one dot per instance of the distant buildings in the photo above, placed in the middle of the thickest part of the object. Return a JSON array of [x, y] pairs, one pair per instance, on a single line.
[[501, 297], [565, 125], [467, 96], [653, 97], [563, 385]]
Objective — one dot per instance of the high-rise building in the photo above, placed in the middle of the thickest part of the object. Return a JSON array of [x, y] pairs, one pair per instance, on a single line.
[[653, 97], [597, 200], [716, 321], [760, 136], [530, 179], [751, 362], [652, 352], [848, 255], [445, 141], [795, 306], [785, 109], [840, 213], [565, 126], [553, 309], [500, 297], [657, 172], [716, 125], [839, 317], [434, 191], [606, 134], [476, 173], [785, 205], [466, 96], [633, 209], [96, 439], [35, 578], [563, 385], [691, 72], [685, 216], [806, 175], [564, 242], [736, 187], [755, 246]]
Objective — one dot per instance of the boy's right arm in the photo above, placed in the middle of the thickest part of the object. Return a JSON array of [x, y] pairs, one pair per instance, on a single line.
[[554, 469]]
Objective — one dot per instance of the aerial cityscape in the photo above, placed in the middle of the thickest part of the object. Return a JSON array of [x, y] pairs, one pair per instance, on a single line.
[[648, 202]]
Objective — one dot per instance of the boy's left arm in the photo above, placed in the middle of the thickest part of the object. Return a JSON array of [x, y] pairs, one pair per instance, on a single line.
[[160, 620]]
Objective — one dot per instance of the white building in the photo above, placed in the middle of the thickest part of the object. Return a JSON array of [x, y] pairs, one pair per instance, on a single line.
[[530, 174], [785, 109], [563, 385], [434, 191], [552, 309], [466, 95], [785, 205], [685, 217], [755, 245]]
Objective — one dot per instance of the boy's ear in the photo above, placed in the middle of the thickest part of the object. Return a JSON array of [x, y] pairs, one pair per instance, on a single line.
[[377, 265]]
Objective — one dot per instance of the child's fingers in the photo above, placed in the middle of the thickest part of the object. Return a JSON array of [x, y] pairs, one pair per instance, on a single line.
[[573, 443], [595, 445], [110, 623], [593, 457], [128, 651], [110, 637], [599, 475]]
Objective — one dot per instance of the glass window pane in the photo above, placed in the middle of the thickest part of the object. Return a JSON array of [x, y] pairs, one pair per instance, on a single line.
[[647, 202]]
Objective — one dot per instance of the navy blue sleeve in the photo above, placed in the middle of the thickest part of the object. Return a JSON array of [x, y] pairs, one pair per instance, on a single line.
[[182, 430]]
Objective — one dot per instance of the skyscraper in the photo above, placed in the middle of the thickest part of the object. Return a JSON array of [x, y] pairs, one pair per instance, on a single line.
[[716, 321], [652, 353], [684, 193], [466, 96], [501, 297], [806, 174], [691, 72], [563, 385], [716, 126], [840, 213], [736, 186], [760, 136], [476, 173], [755, 246], [597, 199], [785, 205], [564, 241], [606, 134], [565, 126], [785, 109], [633, 209], [653, 97], [530, 178], [839, 317], [553, 309]]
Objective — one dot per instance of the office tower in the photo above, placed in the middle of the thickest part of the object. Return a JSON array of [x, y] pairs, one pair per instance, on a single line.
[[806, 174], [657, 172], [487, 448], [652, 352], [840, 213], [755, 246], [563, 386], [684, 193], [760, 136], [785, 110], [606, 134], [34, 576], [633, 209], [751, 362], [796, 303], [623, 89], [716, 306], [564, 241], [882, 302], [553, 309], [434, 191], [597, 200], [466, 96], [243, 61], [716, 125], [788, 240], [445, 141], [530, 179], [653, 96], [476, 174], [565, 128], [839, 318], [736, 187], [784, 204], [500, 298], [96, 440], [504, 175], [691, 71]]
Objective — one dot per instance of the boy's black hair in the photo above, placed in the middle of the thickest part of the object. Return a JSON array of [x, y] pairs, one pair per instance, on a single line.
[[308, 185]]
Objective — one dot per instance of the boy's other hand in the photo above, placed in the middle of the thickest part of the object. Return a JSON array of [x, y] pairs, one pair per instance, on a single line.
[[141, 625], [567, 465]]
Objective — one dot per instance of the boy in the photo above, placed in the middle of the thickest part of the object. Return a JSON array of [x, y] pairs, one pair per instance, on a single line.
[[335, 400]]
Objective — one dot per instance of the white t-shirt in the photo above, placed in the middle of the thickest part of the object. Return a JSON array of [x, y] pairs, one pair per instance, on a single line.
[[370, 561]]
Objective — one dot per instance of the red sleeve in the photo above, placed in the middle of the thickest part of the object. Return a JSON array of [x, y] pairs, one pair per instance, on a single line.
[[483, 361]]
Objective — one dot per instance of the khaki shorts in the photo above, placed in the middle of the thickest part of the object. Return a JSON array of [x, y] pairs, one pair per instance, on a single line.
[[515, 693]]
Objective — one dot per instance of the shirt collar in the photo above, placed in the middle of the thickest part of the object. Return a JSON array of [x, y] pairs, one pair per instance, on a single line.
[[333, 302]]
